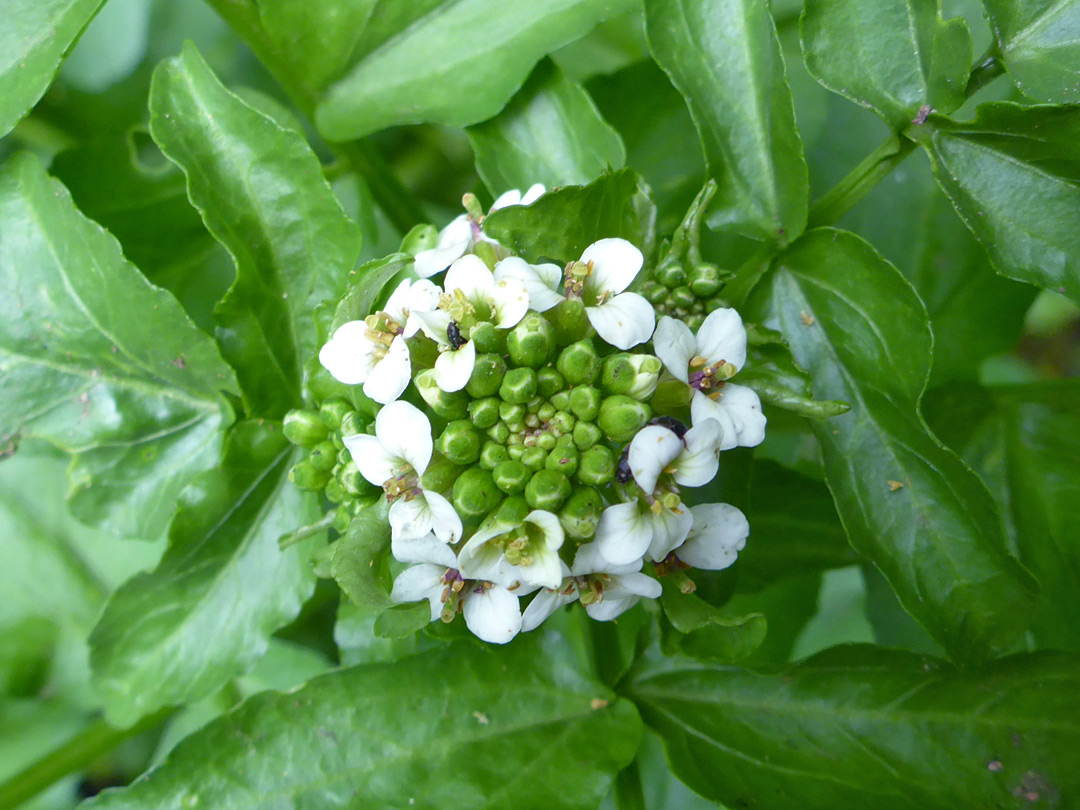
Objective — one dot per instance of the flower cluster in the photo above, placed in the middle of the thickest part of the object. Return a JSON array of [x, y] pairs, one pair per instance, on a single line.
[[519, 443]]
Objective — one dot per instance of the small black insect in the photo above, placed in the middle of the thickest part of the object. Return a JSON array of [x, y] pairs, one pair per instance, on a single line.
[[671, 423], [623, 472], [453, 334]]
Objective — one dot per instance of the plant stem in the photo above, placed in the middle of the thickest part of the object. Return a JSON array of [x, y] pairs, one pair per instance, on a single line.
[[874, 168], [304, 532]]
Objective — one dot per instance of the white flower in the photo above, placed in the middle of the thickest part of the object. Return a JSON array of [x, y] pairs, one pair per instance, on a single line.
[[513, 556], [492, 613], [627, 531], [718, 535], [692, 460], [515, 197], [706, 363], [395, 458], [605, 269], [373, 351], [543, 282], [454, 241], [608, 590]]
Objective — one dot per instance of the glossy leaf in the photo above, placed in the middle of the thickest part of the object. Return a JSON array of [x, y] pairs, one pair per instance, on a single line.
[[1040, 45], [205, 614], [34, 38], [705, 632], [894, 56], [1013, 175], [550, 133], [858, 727], [725, 59], [907, 503], [359, 561], [99, 362], [465, 728], [261, 193], [778, 380], [476, 53]]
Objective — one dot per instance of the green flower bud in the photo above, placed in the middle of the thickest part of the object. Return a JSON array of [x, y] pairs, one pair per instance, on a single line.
[[323, 456], [533, 405], [545, 412], [499, 433], [585, 402], [333, 491], [518, 386], [511, 477], [344, 456], [304, 428], [621, 417], [715, 303], [561, 400], [486, 252], [306, 477], [440, 474], [564, 458], [459, 442], [597, 466], [586, 434], [509, 412], [488, 339], [579, 363], [683, 297], [618, 374], [486, 376], [484, 412], [332, 411], [511, 512], [647, 370], [447, 405], [531, 342], [532, 420], [545, 441], [352, 423], [581, 513], [549, 381], [705, 280], [694, 320], [569, 320], [492, 455], [547, 490], [421, 237], [342, 518], [534, 457], [672, 275], [562, 422], [475, 493], [653, 292], [337, 440], [516, 451], [352, 481]]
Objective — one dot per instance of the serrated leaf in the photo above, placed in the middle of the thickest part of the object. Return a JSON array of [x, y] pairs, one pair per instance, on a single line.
[[205, 614], [859, 726], [1013, 175], [725, 59], [261, 193], [34, 39], [550, 133], [907, 503], [476, 53], [893, 56], [1040, 46], [482, 729], [99, 362]]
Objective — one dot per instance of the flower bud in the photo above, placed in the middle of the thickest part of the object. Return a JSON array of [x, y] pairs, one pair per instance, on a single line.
[[694, 320], [647, 370], [488, 339], [654, 293], [499, 433], [440, 474], [547, 490], [561, 400], [509, 412], [475, 493], [421, 237], [306, 477], [447, 405], [533, 458], [486, 376], [705, 280], [715, 303], [564, 457], [485, 251], [545, 441], [515, 449], [621, 417], [586, 434], [484, 413], [333, 491], [545, 412], [351, 424], [459, 442], [618, 373], [683, 297], [304, 428], [548, 382], [597, 466], [672, 275], [332, 411], [492, 455], [569, 321], [579, 363], [581, 514], [323, 456], [585, 402], [511, 512], [511, 476], [518, 386], [342, 518], [531, 342], [352, 481], [562, 423]]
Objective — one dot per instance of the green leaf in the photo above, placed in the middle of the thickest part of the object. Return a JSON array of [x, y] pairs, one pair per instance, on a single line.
[[707, 633], [725, 59], [359, 561], [205, 614], [261, 193], [1013, 175], [34, 38], [99, 362], [476, 53], [773, 373], [859, 727], [561, 224], [550, 133], [464, 728], [370, 280], [1040, 46], [907, 503], [893, 56]]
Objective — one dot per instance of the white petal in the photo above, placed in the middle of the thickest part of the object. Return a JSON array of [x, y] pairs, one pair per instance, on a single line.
[[550, 526], [423, 297], [511, 197], [434, 324], [723, 337], [420, 582], [493, 615], [372, 459], [674, 344], [588, 560], [624, 321], [651, 450], [390, 376], [446, 523], [544, 604], [622, 535], [670, 529], [623, 592], [534, 192], [348, 355], [744, 407], [405, 432], [615, 264], [397, 305], [702, 409], [482, 560], [453, 368], [545, 571], [719, 533], [542, 281], [426, 549], [697, 465], [509, 301], [470, 275], [410, 519], [454, 240]]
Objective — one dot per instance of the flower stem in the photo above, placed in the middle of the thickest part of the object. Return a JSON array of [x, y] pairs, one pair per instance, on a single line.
[[304, 532], [874, 168]]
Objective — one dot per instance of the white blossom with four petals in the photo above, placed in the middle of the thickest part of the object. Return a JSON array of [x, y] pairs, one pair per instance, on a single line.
[[536, 542]]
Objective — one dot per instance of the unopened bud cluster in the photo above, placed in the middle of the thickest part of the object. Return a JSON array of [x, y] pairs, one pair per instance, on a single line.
[[519, 443]]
